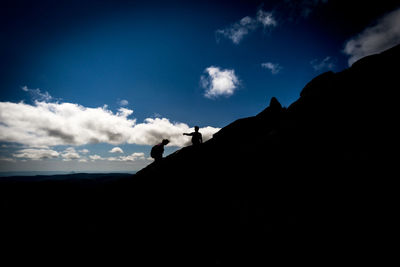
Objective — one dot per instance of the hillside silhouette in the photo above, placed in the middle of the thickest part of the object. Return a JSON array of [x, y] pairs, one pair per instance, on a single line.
[[314, 176], [308, 183]]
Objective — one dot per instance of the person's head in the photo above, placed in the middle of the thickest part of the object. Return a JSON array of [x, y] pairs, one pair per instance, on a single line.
[[196, 128], [165, 142]]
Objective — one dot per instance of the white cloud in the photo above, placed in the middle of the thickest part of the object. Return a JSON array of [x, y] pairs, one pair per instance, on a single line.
[[133, 157], [84, 151], [153, 130], [83, 160], [50, 124], [130, 158], [124, 112], [116, 150], [375, 39], [275, 68], [96, 157], [219, 82], [36, 94], [123, 102], [326, 63], [36, 154], [70, 154], [238, 30]]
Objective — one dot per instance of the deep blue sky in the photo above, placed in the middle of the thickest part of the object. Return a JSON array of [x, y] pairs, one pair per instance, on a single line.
[[153, 53]]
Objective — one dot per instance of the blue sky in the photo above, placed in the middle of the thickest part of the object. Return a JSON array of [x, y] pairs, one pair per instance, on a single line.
[[79, 78]]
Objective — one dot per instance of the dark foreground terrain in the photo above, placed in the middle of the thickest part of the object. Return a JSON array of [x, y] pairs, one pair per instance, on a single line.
[[313, 183]]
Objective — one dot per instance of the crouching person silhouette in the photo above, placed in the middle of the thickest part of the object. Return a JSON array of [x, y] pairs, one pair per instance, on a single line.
[[197, 139], [158, 150]]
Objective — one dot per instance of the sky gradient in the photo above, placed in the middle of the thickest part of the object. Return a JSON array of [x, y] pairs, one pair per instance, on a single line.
[[92, 85]]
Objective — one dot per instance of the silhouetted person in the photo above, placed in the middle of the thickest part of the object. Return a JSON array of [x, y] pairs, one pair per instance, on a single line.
[[158, 150], [197, 139]]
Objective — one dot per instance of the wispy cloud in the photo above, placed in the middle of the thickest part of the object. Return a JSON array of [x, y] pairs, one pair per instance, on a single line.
[[37, 94], [238, 30], [219, 82], [266, 19], [275, 68], [290, 10], [375, 39], [123, 102], [326, 63], [43, 125]]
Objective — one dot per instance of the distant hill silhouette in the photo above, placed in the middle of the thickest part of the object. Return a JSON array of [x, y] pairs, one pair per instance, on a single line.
[[310, 183]]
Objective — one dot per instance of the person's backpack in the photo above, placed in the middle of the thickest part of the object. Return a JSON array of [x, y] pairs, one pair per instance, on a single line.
[[154, 151]]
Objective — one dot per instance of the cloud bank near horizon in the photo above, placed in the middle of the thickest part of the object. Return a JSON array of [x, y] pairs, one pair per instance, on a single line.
[[43, 125]]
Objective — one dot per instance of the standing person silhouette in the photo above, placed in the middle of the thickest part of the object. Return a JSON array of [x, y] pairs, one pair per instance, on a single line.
[[197, 139], [158, 150]]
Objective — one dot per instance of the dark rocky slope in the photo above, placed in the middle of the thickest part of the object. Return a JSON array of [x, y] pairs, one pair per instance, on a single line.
[[311, 180]]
